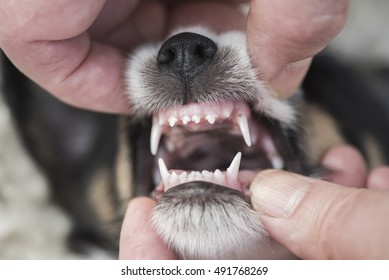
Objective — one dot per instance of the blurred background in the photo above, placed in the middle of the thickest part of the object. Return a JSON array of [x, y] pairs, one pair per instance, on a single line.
[[31, 227]]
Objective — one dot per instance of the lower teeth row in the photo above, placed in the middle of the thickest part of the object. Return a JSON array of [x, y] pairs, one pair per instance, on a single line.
[[225, 178]]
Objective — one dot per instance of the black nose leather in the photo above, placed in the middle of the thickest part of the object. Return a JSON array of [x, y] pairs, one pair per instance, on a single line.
[[186, 54]]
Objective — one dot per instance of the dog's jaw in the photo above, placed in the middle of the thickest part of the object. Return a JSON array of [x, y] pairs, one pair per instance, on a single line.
[[208, 216]]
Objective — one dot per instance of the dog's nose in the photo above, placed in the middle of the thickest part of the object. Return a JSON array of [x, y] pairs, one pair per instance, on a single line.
[[186, 54]]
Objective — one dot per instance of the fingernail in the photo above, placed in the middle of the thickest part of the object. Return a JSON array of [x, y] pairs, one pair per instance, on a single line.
[[276, 193]]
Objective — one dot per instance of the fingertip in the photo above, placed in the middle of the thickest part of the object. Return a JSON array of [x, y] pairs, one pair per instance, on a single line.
[[138, 240], [346, 165], [379, 179]]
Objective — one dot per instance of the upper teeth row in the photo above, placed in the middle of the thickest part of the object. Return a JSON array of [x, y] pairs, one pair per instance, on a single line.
[[172, 121], [196, 115]]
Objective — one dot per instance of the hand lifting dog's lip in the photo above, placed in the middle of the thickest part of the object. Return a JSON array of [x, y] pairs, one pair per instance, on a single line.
[[214, 125]]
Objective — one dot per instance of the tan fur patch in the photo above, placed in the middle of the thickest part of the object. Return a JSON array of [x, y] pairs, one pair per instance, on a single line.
[[322, 131]]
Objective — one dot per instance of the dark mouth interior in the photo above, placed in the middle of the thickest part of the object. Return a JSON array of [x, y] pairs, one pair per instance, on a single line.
[[209, 147]]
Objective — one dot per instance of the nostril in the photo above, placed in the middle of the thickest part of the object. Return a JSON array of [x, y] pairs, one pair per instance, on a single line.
[[204, 51], [166, 56], [186, 54]]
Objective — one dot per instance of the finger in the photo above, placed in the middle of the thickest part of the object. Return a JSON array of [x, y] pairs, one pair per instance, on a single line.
[[379, 179], [218, 16], [44, 20], [321, 220], [130, 25], [284, 35], [346, 165], [59, 56], [137, 239]]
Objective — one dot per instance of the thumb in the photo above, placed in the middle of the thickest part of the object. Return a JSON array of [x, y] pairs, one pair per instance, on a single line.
[[138, 241], [320, 220]]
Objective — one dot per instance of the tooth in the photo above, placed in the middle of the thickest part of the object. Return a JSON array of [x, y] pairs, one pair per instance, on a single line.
[[207, 175], [183, 177], [161, 120], [219, 177], [198, 176], [191, 176], [277, 162], [169, 145], [244, 128], [155, 137], [233, 169], [172, 121], [164, 172], [211, 118], [173, 179], [185, 119], [272, 154], [226, 113], [196, 119]]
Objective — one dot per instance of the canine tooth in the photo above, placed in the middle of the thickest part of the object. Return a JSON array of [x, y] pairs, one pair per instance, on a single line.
[[272, 154], [244, 128], [211, 118], [185, 119], [233, 169], [172, 121], [164, 172], [161, 120], [196, 119], [277, 162], [155, 137]]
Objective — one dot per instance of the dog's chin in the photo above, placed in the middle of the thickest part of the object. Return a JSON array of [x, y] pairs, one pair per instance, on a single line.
[[203, 209], [202, 220]]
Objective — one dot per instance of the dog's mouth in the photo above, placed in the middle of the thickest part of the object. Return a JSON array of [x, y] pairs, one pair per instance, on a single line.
[[223, 143]]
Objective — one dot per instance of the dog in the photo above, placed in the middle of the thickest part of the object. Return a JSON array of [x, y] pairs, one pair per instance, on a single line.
[[201, 127]]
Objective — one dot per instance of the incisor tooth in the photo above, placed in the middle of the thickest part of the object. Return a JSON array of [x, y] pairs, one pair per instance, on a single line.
[[173, 179], [211, 118], [244, 128], [172, 121], [155, 137], [185, 119], [219, 177], [196, 119]]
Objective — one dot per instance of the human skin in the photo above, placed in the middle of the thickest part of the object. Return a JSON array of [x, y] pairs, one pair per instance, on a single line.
[[349, 167], [76, 49]]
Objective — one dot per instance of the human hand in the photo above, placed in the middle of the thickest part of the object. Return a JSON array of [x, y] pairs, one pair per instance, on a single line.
[[284, 35], [138, 240], [76, 49], [320, 220]]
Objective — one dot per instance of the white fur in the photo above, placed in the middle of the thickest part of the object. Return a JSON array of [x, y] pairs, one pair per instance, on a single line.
[[266, 103]]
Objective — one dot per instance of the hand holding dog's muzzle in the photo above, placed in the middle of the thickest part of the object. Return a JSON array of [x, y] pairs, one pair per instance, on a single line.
[[81, 61], [321, 220], [138, 240], [283, 36]]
